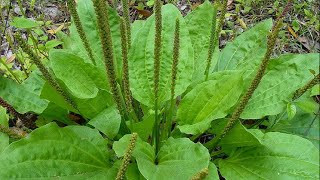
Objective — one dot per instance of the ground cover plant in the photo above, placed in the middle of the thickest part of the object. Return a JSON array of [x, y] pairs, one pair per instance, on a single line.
[[158, 99]]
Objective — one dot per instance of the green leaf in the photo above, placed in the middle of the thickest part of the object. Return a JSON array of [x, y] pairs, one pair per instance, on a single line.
[[246, 51], [213, 172], [315, 90], [108, 122], [53, 43], [51, 152], [150, 3], [134, 173], [144, 127], [291, 110], [238, 136], [303, 124], [55, 112], [199, 24], [4, 117], [74, 73], [142, 59], [282, 156], [135, 28], [49, 93], [89, 22], [208, 101], [177, 158], [295, 25], [4, 139], [307, 104], [284, 76], [24, 97], [21, 22], [88, 108], [141, 147]]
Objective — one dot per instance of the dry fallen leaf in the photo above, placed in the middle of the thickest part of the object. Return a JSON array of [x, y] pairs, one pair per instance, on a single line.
[[11, 59], [292, 32], [242, 23], [54, 31], [144, 13], [194, 6], [305, 42]]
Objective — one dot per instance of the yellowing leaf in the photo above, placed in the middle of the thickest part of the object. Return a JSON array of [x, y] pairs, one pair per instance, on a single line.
[[292, 32], [10, 59], [54, 31], [242, 23]]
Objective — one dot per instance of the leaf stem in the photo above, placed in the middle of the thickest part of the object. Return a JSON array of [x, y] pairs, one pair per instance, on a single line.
[[21, 61], [216, 153], [10, 71]]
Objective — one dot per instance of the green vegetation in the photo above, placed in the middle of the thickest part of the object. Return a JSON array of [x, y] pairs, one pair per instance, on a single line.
[[165, 104]]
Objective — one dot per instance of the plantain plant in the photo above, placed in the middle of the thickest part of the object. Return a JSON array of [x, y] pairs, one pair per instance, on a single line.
[[164, 104]]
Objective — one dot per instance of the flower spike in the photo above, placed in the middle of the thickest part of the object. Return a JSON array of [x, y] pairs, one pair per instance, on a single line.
[[256, 81], [46, 74], [125, 68], [127, 157], [156, 73], [80, 30], [126, 16]]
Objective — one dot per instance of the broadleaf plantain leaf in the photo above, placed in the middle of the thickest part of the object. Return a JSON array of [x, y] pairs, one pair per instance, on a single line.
[[281, 156], [141, 58], [49, 152], [177, 158]]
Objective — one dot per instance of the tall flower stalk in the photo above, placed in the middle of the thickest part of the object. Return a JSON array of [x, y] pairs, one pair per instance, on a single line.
[[29, 123], [2, 61], [125, 67], [310, 84], [106, 41], [80, 30], [201, 174], [214, 35], [127, 157], [254, 84], [46, 74], [11, 109], [174, 71], [126, 16], [11, 133], [156, 76]]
